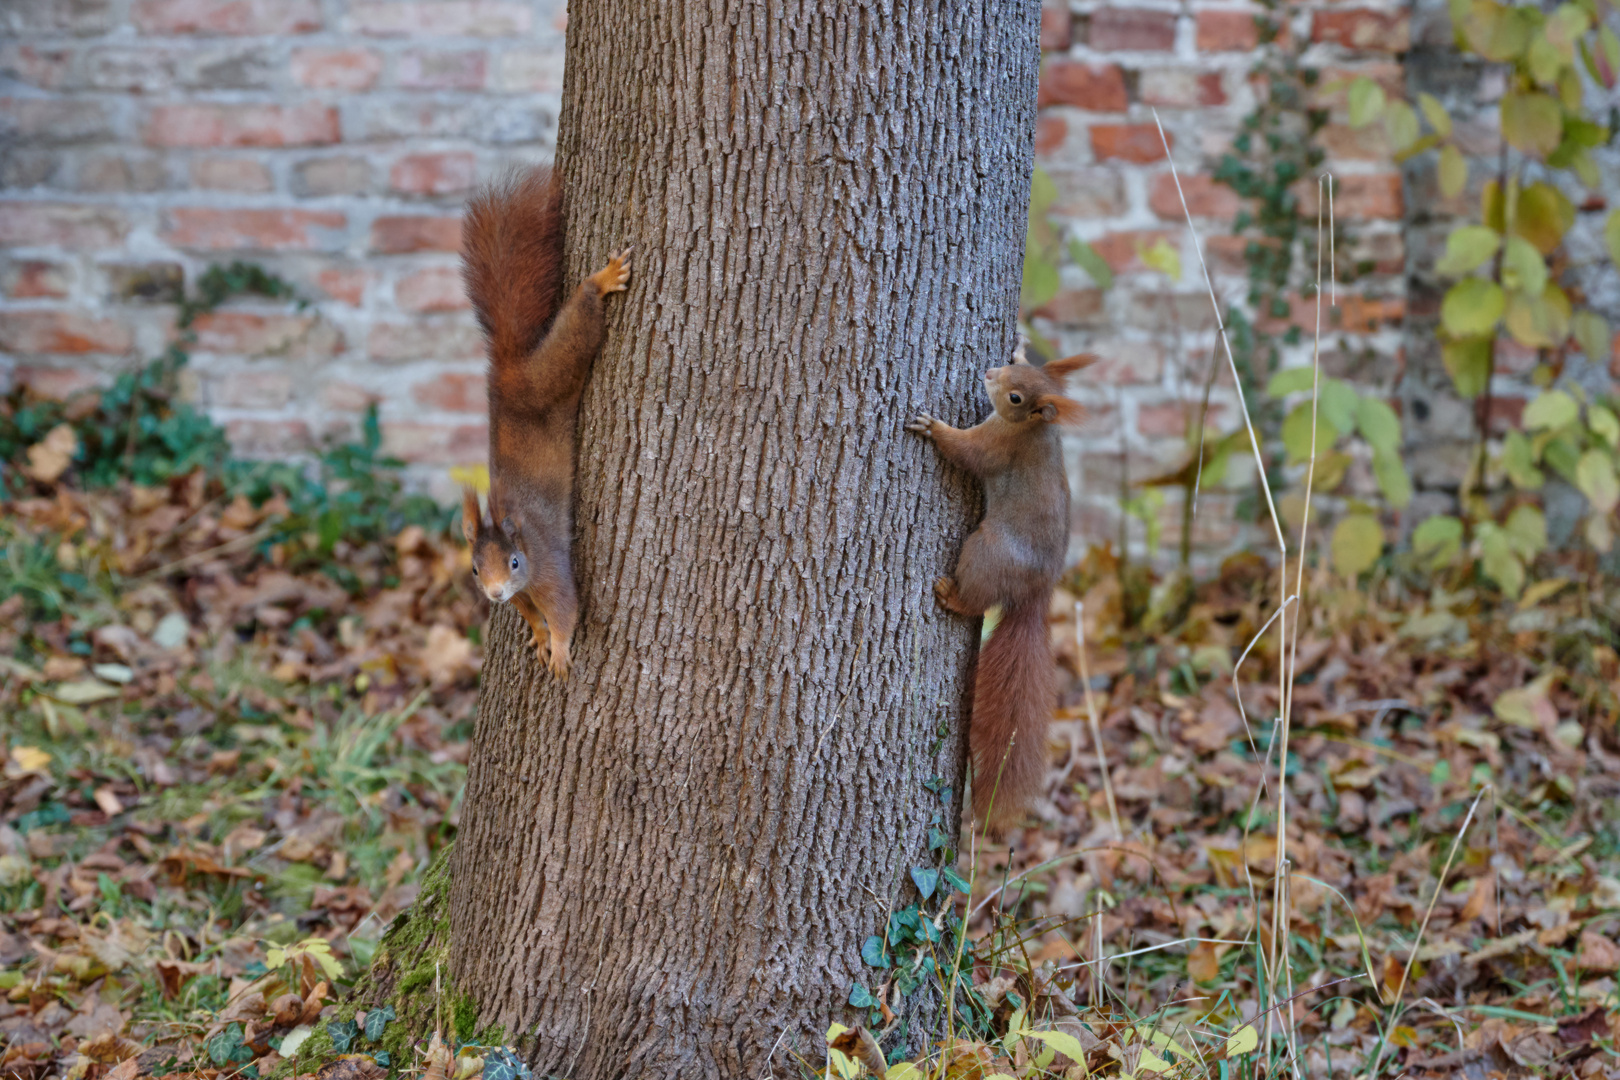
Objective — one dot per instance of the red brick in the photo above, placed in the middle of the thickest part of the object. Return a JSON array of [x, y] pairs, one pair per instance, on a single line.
[[226, 16], [1057, 27], [1119, 249], [346, 396], [53, 121], [1357, 196], [1205, 198], [1073, 307], [395, 342], [243, 125], [268, 438], [250, 389], [216, 229], [1094, 88], [249, 333], [1181, 88], [55, 384], [434, 288], [442, 444], [398, 235], [61, 332], [336, 69], [1345, 143], [1363, 28], [345, 284], [1169, 418], [63, 224], [1355, 314], [1132, 30], [35, 280], [1227, 31], [453, 392], [442, 18], [1128, 142], [32, 65], [466, 69], [1050, 133], [1135, 363], [230, 174], [450, 173]]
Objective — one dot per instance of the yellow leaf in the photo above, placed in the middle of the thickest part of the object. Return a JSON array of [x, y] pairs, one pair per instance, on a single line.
[[473, 476], [1358, 540], [1061, 1041], [1453, 171], [1151, 1062], [30, 758], [1242, 1041], [905, 1070]]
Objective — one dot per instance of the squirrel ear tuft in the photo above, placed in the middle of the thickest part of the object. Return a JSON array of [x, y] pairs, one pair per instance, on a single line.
[[512, 526], [1069, 364], [469, 514], [1057, 409]]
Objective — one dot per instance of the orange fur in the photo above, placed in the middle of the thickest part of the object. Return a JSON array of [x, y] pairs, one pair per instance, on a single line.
[[539, 358], [1013, 560]]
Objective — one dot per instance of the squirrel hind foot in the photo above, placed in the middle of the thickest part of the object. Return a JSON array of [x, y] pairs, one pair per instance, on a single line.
[[615, 276], [561, 659]]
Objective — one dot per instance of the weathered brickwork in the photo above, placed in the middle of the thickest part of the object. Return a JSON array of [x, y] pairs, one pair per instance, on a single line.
[[331, 141]]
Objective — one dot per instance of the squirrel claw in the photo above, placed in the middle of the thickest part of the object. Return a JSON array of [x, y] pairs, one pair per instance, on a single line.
[[923, 425], [615, 276]]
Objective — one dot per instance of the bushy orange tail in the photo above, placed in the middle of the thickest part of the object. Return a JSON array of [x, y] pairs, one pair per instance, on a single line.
[[512, 262], [1013, 696]]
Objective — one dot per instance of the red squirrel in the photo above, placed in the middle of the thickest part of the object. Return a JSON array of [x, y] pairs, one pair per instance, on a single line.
[[1012, 559], [539, 357]]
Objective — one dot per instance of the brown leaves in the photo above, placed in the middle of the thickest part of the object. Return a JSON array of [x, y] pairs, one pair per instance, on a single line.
[[49, 458]]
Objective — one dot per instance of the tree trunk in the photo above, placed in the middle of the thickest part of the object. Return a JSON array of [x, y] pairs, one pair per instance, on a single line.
[[672, 860]]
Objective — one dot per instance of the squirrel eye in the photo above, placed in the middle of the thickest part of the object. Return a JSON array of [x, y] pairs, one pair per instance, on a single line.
[[475, 571], [1016, 399], [514, 562]]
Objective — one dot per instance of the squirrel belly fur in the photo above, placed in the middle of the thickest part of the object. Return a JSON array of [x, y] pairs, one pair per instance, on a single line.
[[1012, 559], [539, 359]]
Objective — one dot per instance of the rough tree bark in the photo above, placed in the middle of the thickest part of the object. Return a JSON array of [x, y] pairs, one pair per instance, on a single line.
[[672, 859]]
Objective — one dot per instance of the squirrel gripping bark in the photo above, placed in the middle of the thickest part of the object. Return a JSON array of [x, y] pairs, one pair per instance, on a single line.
[[539, 358], [1012, 559]]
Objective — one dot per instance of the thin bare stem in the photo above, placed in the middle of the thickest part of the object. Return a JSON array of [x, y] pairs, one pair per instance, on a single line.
[[1091, 711]]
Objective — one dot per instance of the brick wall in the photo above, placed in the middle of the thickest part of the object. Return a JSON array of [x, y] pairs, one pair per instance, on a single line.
[[1108, 66], [334, 140], [331, 141]]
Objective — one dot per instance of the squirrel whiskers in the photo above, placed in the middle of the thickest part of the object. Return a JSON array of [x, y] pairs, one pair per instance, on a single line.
[[1012, 559], [539, 358]]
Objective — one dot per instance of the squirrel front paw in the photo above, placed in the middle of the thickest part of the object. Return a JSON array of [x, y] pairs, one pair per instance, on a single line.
[[923, 425], [561, 658], [615, 276]]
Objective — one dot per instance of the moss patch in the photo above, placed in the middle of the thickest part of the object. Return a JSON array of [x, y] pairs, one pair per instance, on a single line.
[[415, 948]]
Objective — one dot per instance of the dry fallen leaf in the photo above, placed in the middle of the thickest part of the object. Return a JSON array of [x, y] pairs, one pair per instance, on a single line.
[[49, 458]]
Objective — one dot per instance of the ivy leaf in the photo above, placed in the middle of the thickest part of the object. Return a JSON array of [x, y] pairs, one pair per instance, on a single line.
[[1498, 562], [1468, 361], [1453, 170], [1358, 540], [1085, 256], [1435, 113], [1378, 424], [1366, 102], [1551, 409], [1594, 476], [376, 1020], [1542, 216], [1519, 462], [1296, 433], [225, 1048], [872, 952], [1468, 247], [1472, 307], [1532, 122], [926, 878], [861, 997], [1438, 540], [502, 1064], [1523, 267], [1393, 480], [956, 881], [343, 1033]]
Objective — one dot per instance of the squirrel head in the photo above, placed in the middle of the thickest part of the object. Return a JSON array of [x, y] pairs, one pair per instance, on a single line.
[[1022, 392], [499, 563]]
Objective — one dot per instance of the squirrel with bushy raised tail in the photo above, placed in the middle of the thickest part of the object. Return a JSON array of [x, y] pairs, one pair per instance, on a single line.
[[1013, 560], [539, 358]]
